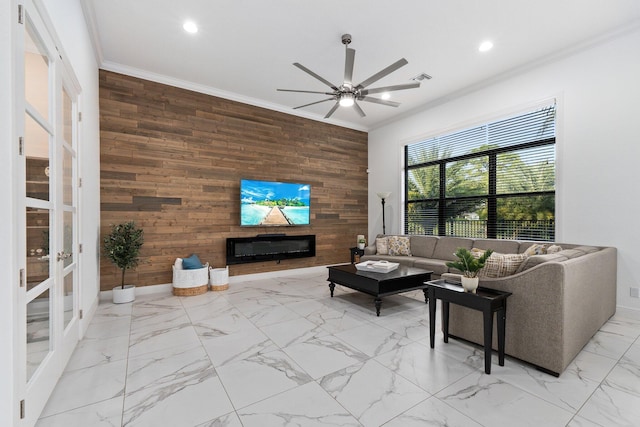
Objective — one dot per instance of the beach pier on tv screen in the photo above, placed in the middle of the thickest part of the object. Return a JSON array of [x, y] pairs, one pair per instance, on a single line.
[[272, 203]]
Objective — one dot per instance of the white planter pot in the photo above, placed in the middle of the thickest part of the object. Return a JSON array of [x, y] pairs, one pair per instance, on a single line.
[[470, 284], [360, 245], [121, 296]]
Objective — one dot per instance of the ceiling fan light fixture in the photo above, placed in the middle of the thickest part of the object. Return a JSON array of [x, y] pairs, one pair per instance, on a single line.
[[346, 100], [385, 95]]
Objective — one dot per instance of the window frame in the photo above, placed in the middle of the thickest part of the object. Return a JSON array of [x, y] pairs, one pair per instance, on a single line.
[[492, 195]]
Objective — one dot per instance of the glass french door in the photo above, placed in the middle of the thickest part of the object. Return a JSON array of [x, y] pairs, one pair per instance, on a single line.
[[48, 299]]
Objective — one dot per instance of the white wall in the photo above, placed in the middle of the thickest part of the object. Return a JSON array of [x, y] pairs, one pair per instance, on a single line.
[[598, 148], [71, 29]]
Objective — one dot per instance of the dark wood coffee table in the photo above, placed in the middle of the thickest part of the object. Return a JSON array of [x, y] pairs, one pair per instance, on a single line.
[[402, 279]]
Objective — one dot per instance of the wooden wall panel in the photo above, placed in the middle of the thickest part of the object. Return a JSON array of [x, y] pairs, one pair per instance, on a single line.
[[172, 160]]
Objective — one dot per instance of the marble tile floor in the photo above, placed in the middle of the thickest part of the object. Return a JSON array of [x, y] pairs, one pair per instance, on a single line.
[[281, 352]]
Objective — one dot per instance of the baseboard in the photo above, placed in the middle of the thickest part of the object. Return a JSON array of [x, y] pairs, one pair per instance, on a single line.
[[107, 296]]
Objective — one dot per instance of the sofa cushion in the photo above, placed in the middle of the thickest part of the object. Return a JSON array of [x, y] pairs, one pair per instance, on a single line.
[[423, 246], [446, 247], [436, 265], [399, 245], [497, 245], [534, 260], [382, 245], [571, 253], [501, 265], [587, 249]]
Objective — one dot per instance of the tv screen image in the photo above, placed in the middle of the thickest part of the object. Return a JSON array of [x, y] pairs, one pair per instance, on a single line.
[[267, 203]]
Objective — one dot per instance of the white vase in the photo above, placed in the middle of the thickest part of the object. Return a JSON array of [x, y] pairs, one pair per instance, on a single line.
[[470, 284], [121, 296], [360, 245]]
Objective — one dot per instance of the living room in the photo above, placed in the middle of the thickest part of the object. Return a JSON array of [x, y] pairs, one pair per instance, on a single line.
[[347, 165]]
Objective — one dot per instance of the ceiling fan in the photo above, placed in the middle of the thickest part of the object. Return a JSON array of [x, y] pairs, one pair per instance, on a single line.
[[347, 93]]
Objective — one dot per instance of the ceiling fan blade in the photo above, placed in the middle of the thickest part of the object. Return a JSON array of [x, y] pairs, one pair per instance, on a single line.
[[304, 91], [358, 109], [333, 110], [378, 101], [380, 74], [311, 73], [313, 103], [389, 88], [348, 66]]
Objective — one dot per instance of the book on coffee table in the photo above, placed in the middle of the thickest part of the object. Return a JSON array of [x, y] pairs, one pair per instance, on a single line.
[[377, 266]]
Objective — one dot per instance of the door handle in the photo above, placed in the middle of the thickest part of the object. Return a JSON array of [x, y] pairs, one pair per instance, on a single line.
[[63, 255]]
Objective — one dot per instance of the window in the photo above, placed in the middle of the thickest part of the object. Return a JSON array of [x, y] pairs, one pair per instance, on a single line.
[[492, 181]]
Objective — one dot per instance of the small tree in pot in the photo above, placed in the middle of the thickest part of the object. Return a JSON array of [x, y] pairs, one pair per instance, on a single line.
[[122, 247], [470, 266]]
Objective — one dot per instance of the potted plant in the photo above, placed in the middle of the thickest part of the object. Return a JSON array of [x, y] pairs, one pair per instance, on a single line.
[[470, 266], [122, 247], [362, 243]]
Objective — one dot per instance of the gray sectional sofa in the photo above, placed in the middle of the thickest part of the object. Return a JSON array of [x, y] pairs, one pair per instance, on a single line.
[[558, 301]]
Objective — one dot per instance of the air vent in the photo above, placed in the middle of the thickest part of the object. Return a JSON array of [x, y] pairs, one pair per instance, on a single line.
[[420, 77]]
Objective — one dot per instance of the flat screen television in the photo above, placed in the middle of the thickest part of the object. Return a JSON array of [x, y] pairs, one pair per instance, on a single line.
[[270, 203]]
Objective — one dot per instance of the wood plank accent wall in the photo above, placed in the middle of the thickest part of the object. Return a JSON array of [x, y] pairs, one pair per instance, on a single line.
[[172, 160]]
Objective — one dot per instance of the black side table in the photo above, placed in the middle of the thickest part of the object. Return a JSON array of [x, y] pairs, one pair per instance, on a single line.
[[355, 251], [487, 300]]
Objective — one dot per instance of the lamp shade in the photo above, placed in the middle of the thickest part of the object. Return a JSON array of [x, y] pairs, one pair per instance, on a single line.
[[384, 195]]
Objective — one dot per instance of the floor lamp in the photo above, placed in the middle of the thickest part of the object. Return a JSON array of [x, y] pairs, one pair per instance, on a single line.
[[382, 197]]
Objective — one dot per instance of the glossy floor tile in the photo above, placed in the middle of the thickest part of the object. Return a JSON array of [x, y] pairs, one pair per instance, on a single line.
[[282, 352]]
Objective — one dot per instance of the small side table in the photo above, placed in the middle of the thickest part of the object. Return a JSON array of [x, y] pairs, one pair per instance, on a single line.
[[487, 300], [355, 251]]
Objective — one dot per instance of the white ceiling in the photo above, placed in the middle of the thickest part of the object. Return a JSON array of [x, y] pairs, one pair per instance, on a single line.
[[244, 49]]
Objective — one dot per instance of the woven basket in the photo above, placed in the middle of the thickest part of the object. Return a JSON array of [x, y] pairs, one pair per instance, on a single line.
[[219, 279], [189, 292], [190, 282]]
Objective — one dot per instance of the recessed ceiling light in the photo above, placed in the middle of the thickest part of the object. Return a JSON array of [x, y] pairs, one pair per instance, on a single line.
[[485, 46], [386, 95], [190, 27]]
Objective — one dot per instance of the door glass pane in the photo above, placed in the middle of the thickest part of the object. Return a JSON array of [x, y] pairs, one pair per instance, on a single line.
[[67, 177], [36, 146], [67, 235], [38, 332], [67, 110], [67, 293], [37, 246], [36, 74]]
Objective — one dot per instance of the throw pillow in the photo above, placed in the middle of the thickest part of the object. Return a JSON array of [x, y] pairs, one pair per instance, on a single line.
[[536, 249], [178, 264], [477, 253], [382, 246], [501, 265], [399, 245], [191, 263], [554, 249]]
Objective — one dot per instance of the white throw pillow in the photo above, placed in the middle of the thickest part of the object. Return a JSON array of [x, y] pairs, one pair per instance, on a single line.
[[178, 264], [382, 246]]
